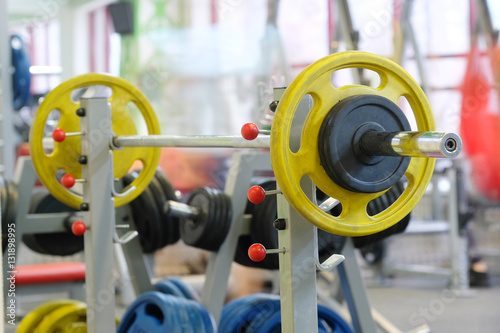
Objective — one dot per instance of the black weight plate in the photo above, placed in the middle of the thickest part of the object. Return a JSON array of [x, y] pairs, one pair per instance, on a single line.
[[241, 254], [54, 243], [210, 241], [329, 244], [262, 229], [165, 184], [226, 217], [29, 239], [171, 224], [244, 242], [209, 229], [194, 231], [339, 149], [376, 206], [146, 217], [373, 252], [160, 199]]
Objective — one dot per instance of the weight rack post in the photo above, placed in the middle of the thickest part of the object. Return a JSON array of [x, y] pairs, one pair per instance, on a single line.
[[96, 126], [297, 269], [243, 167]]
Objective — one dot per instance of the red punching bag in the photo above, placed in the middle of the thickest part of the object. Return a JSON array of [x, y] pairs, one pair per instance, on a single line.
[[480, 120]]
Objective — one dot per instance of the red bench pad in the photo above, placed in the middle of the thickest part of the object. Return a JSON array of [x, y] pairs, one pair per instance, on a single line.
[[50, 273]]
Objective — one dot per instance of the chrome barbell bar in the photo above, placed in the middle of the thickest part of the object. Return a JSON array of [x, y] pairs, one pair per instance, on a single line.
[[414, 144]]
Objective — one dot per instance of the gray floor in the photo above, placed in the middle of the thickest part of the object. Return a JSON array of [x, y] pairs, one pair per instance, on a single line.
[[411, 302]]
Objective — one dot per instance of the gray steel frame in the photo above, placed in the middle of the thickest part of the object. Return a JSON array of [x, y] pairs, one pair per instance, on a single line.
[[457, 274], [97, 190], [243, 167]]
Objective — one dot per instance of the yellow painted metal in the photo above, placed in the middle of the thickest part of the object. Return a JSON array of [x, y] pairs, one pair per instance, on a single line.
[[290, 167], [32, 319], [65, 154]]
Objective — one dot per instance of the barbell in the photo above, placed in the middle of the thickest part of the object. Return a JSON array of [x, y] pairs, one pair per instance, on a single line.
[[349, 132]]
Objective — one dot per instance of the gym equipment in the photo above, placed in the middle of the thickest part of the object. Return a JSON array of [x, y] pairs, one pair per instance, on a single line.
[[155, 311], [291, 166], [294, 155], [374, 141], [58, 316], [378, 205], [66, 153], [187, 291], [328, 322], [71, 318], [171, 233], [156, 228], [167, 287], [263, 231], [207, 216], [30, 323], [53, 243], [260, 313], [237, 314], [21, 77]]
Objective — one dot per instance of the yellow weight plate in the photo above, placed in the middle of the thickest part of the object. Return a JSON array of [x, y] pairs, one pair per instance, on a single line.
[[65, 154], [67, 319], [71, 318], [290, 167], [32, 319]]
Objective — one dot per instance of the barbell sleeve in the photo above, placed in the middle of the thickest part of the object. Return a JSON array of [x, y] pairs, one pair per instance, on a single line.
[[414, 144], [195, 141], [181, 210]]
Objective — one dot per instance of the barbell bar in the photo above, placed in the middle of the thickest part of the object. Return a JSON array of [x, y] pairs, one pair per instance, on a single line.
[[181, 210], [413, 144], [374, 143]]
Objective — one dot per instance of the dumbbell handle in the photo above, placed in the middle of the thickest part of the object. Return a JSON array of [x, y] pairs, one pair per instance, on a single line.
[[181, 210], [414, 144]]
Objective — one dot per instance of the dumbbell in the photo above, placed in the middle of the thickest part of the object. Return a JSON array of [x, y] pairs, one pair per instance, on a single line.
[[205, 218]]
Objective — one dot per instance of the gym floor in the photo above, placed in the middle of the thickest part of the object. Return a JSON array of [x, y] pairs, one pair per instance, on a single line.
[[410, 302]]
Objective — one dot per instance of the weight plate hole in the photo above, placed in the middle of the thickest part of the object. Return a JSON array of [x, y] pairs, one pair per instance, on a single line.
[[381, 203], [299, 118], [136, 168], [91, 91], [138, 118], [346, 76], [322, 200], [405, 106], [50, 126], [154, 311]]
